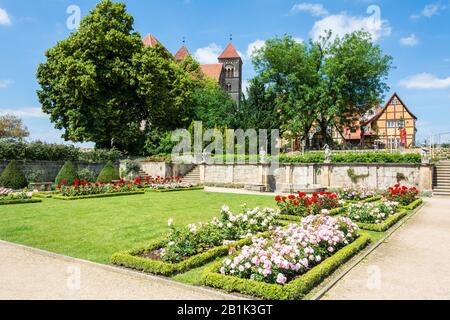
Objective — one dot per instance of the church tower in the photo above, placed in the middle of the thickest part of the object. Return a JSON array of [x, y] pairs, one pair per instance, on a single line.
[[231, 81]]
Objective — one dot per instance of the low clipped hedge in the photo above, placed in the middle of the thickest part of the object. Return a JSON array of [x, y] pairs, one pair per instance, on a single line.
[[295, 289], [333, 212], [352, 157], [175, 189], [385, 225], [19, 201], [102, 195], [413, 205], [131, 260]]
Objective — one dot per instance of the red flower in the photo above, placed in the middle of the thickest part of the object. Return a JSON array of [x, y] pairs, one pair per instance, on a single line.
[[277, 198]]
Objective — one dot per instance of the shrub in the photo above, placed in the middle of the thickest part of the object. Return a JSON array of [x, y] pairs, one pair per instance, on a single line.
[[12, 177], [67, 175], [353, 157], [302, 205], [87, 175], [109, 173]]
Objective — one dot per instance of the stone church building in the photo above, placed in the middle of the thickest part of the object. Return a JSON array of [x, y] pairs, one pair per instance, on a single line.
[[227, 71]]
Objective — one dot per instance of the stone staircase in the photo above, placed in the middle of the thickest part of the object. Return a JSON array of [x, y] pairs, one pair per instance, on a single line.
[[441, 179], [193, 176]]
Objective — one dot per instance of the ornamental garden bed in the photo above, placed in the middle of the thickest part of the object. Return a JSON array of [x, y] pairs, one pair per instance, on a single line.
[[296, 207], [197, 244], [291, 261], [92, 196], [8, 196], [173, 189]]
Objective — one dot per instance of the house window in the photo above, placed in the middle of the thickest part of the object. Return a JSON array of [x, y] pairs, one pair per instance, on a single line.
[[394, 102], [391, 124], [228, 88], [401, 123]]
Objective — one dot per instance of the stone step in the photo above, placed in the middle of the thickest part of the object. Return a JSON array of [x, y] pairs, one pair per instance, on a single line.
[[443, 194]]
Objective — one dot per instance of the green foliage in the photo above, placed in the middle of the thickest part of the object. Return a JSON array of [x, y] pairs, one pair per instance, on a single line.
[[87, 175], [356, 177], [95, 196], [316, 81], [19, 201], [11, 127], [18, 150], [159, 143], [386, 224], [294, 290], [109, 173], [213, 106], [101, 83], [68, 172], [12, 177], [353, 157]]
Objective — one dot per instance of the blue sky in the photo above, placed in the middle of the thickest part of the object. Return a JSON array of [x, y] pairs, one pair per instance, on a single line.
[[415, 33]]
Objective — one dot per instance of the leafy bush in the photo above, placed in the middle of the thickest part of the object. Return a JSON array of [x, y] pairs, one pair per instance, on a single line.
[[83, 188], [35, 175], [87, 175], [109, 173], [19, 150], [352, 157], [12, 177], [67, 175]]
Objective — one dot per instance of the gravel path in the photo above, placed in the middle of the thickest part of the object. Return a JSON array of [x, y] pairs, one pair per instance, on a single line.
[[27, 273], [413, 264]]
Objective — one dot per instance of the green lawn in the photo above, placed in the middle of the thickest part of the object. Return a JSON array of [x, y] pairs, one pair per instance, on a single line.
[[94, 229]]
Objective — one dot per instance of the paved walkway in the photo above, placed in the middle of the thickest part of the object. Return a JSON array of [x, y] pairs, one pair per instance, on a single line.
[[27, 273], [413, 264]]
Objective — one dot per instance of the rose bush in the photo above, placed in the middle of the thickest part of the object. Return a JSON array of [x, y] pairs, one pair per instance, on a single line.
[[371, 212], [355, 194], [83, 188], [402, 194], [290, 252], [196, 238], [303, 205]]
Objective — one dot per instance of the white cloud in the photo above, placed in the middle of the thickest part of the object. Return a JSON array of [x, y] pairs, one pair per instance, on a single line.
[[255, 45], [343, 23], [208, 54], [429, 11], [314, 9], [32, 112], [425, 81], [299, 40], [5, 83], [410, 41], [245, 86], [4, 18]]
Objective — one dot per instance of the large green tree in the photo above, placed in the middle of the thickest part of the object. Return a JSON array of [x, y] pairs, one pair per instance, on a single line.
[[327, 83], [102, 84]]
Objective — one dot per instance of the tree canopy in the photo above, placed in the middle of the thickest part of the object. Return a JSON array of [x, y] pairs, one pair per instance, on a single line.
[[12, 127], [328, 83]]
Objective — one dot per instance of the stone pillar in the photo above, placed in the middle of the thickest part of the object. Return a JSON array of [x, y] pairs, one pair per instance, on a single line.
[[426, 177], [230, 173], [325, 175], [202, 168]]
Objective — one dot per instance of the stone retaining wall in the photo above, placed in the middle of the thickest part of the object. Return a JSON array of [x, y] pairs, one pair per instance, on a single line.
[[372, 176]]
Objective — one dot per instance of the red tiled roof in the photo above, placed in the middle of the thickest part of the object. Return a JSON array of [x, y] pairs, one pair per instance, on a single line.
[[213, 71], [181, 54], [229, 52], [150, 41]]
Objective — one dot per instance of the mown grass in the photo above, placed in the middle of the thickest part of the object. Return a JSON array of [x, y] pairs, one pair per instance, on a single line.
[[93, 229]]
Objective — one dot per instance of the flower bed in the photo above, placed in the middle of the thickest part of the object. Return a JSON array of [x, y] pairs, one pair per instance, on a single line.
[[7, 196], [372, 213], [197, 244], [402, 194], [291, 261], [84, 188], [303, 205], [162, 184], [357, 195], [379, 216]]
